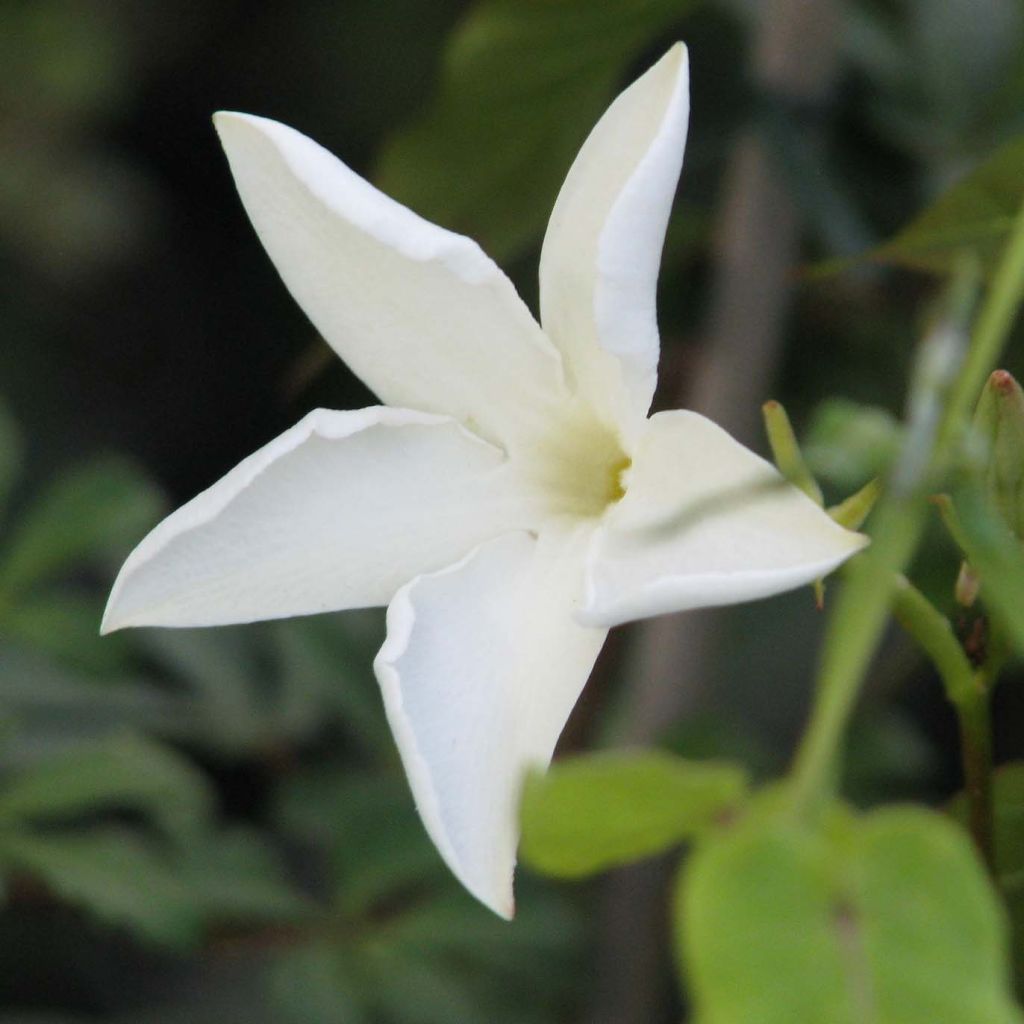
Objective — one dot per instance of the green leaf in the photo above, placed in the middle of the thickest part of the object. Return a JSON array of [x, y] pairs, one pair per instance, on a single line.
[[1008, 814], [311, 987], [55, 705], [66, 626], [325, 669], [974, 217], [887, 919], [122, 773], [523, 82], [114, 875], [225, 677], [368, 826], [592, 812], [91, 513], [234, 876]]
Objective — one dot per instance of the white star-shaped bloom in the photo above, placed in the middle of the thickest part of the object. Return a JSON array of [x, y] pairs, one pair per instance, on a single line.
[[512, 501]]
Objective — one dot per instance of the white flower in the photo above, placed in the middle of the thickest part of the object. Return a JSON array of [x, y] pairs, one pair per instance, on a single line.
[[513, 501]]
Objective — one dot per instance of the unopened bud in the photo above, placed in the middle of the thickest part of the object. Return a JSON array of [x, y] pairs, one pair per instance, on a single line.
[[999, 424], [967, 586]]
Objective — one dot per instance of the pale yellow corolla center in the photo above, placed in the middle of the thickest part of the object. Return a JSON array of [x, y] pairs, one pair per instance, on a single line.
[[581, 466]]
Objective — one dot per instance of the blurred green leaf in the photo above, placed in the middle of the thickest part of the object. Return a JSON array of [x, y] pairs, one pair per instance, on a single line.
[[1008, 813], [367, 825], [113, 873], [974, 217], [595, 811], [235, 877], [117, 774], [250, 689], [56, 706], [522, 83], [93, 512], [310, 987], [847, 443], [66, 627], [226, 677], [322, 663], [887, 919], [936, 108]]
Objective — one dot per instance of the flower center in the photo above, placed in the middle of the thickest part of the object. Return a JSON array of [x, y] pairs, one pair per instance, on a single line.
[[581, 466]]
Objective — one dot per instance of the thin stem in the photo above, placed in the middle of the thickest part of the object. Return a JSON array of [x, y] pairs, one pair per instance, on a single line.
[[968, 691], [934, 635]]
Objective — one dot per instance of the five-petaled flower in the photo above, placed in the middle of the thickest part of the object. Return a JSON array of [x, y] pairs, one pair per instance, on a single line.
[[513, 500]]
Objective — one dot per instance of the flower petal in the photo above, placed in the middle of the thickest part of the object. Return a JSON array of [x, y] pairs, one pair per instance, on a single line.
[[337, 512], [482, 664], [420, 314], [599, 265], [704, 522]]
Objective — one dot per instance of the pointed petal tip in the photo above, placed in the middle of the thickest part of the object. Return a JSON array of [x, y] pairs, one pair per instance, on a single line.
[[227, 120], [111, 621], [675, 62], [679, 53]]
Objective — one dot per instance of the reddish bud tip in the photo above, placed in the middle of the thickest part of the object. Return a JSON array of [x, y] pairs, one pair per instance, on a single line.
[[1003, 381]]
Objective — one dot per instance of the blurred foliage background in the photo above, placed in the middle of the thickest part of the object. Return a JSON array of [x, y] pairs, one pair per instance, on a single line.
[[213, 826]]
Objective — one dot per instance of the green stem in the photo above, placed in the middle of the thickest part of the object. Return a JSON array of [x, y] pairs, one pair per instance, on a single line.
[[854, 630], [934, 635], [968, 692]]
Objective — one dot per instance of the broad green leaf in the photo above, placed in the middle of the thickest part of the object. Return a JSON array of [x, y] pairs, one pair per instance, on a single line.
[[367, 825], [1008, 811], [325, 669], [56, 706], [66, 627], [997, 557], [118, 774], [91, 513], [522, 83], [886, 919], [973, 217], [311, 987], [592, 812], [11, 453], [114, 875], [234, 876], [224, 674]]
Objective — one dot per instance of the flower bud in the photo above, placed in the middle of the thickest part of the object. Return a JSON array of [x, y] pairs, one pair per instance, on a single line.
[[999, 424]]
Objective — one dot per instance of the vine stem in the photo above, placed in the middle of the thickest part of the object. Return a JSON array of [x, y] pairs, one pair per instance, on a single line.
[[855, 628], [860, 614], [967, 689]]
